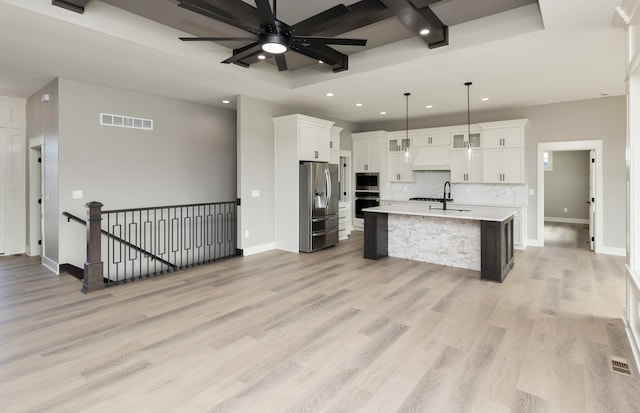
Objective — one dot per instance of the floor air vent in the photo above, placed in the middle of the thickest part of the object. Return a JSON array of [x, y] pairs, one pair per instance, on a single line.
[[620, 365]]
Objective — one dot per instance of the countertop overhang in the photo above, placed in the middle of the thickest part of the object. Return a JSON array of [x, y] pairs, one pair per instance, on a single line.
[[421, 209]]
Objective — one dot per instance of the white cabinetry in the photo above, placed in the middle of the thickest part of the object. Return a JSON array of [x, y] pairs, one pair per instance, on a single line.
[[297, 138], [502, 166], [344, 220], [367, 151], [503, 144], [334, 145], [461, 140], [465, 170], [399, 159], [313, 141], [431, 152], [399, 168]]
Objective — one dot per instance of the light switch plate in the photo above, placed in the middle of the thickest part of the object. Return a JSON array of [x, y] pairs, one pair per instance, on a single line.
[[77, 194], [255, 193], [531, 192]]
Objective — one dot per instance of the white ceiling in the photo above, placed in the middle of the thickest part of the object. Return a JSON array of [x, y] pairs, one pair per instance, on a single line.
[[514, 58]]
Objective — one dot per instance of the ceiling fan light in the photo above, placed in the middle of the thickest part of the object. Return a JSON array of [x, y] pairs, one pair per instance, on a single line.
[[273, 44]]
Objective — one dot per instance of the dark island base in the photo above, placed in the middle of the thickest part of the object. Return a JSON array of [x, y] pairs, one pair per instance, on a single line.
[[496, 244]]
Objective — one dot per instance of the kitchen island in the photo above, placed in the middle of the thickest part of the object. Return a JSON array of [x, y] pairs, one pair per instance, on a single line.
[[479, 239]]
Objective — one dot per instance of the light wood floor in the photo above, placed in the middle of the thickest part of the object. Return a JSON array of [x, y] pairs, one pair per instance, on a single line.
[[560, 234], [329, 331]]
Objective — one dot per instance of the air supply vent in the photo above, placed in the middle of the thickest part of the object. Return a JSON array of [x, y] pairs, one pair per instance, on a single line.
[[121, 121], [620, 365]]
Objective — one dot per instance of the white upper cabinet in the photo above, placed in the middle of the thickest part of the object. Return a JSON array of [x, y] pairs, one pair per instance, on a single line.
[[461, 140], [503, 144], [367, 151], [465, 170], [503, 138], [310, 136]]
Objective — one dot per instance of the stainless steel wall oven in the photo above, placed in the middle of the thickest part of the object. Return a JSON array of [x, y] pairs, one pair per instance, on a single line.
[[367, 193]]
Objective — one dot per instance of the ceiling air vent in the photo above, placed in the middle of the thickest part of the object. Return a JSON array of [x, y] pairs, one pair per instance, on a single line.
[[121, 121], [73, 5]]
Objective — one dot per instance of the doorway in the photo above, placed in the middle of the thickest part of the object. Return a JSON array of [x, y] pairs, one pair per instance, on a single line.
[[595, 186], [36, 191]]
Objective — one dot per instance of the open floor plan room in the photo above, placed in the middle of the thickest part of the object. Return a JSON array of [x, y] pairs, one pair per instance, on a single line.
[[329, 332]]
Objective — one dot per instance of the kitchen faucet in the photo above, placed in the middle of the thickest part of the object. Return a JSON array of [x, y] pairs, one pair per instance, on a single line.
[[446, 196]]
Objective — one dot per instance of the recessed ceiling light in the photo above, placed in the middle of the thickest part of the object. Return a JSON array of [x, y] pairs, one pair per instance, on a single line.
[[262, 57], [429, 106], [383, 113], [358, 104], [320, 61], [424, 32], [226, 102], [603, 94], [484, 99], [329, 94]]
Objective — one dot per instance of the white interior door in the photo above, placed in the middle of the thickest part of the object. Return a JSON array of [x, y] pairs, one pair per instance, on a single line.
[[592, 198]]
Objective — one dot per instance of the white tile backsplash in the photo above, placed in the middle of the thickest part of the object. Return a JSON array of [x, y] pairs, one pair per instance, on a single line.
[[431, 184]]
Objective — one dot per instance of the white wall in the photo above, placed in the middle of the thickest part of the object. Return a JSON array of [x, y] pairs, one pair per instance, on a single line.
[[593, 119], [187, 158]]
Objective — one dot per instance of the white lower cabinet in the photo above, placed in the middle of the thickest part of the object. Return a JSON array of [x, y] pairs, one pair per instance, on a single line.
[[345, 225]]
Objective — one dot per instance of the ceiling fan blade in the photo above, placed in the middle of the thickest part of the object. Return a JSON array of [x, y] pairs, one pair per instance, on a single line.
[[281, 62], [268, 19], [318, 52], [246, 51], [314, 23], [205, 9], [217, 39], [328, 40]]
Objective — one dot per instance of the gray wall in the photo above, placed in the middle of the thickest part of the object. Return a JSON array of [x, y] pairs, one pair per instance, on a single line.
[[42, 120], [567, 186], [187, 158], [601, 118], [256, 165]]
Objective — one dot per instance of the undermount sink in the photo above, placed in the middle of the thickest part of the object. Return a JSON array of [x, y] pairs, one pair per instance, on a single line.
[[450, 209]]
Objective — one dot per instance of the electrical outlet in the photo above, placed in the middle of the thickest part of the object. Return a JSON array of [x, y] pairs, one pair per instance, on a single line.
[[246, 233], [255, 193], [532, 192]]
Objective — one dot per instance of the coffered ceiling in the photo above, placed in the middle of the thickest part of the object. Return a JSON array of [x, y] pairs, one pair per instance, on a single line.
[[516, 53]]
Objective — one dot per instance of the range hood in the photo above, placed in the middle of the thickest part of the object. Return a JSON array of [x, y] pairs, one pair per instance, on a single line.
[[431, 159]]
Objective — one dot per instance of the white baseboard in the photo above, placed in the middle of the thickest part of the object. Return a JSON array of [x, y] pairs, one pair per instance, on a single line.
[[51, 265], [258, 249], [534, 243], [614, 251], [567, 220]]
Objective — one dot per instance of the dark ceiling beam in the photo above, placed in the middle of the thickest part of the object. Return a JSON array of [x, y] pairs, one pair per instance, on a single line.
[[418, 19], [73, 5]]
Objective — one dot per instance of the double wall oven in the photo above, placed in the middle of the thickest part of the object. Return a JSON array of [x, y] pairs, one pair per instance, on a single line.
[[367, 193]]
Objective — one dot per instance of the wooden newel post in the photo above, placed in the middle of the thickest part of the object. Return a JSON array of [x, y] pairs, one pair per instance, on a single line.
[[93, 268]]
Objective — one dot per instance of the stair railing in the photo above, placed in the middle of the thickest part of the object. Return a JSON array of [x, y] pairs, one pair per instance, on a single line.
[[145, 242]]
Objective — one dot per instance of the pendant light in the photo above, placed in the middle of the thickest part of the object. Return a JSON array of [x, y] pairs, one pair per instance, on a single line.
[[407, 154], [469, 152]]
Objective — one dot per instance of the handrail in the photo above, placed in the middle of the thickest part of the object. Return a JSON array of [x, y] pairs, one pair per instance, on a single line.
[[162, 207], [110, 235]]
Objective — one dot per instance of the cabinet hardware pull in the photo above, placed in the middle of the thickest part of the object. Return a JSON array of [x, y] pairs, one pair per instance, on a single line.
[[315, 153]]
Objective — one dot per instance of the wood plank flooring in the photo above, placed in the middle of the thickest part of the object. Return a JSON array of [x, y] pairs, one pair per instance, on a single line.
[[322, 332]]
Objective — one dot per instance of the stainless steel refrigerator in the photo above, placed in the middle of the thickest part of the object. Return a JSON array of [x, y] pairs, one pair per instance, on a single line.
[[318, 205]]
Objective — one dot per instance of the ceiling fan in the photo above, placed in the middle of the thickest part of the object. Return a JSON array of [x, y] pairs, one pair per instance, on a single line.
[[272, 36]]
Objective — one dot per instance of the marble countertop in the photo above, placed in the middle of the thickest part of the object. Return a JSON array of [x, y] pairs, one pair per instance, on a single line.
[[422, 209]]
